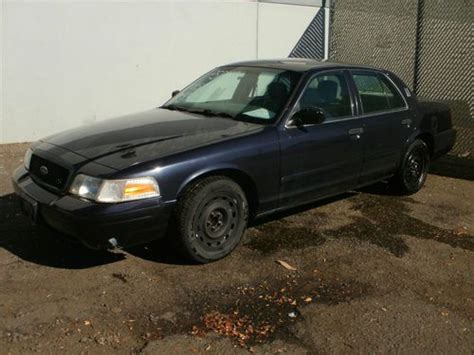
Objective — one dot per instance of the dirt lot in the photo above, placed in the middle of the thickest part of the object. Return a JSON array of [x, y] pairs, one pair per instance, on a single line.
[[374, 273]]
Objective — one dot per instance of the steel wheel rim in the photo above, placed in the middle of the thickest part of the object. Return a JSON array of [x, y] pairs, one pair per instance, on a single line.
[[216, 222], [415, 167]]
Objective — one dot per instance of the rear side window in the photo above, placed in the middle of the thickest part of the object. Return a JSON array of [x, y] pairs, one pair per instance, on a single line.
[[377, 94]]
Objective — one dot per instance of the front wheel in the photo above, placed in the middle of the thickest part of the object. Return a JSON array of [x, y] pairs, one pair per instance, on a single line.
[[414, 169], [210, 219]]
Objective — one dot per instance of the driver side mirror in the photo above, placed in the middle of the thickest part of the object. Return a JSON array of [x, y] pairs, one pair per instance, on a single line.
[[174, 93], [307, 116]]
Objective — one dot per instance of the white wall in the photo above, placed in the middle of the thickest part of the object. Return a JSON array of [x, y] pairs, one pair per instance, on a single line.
[[69, 63], [280, 27]]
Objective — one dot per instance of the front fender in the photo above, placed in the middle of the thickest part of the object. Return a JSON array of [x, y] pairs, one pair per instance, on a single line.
[[224, 169], [253, 160]]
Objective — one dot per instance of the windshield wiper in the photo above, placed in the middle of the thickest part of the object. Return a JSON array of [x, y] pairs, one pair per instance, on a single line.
[[174, 108], [207, 112]]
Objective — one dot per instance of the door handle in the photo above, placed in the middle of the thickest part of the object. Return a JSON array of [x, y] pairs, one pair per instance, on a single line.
[[406, 122], [356, 131]]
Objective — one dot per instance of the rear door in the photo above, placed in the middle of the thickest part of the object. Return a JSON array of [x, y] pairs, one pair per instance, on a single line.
[[387, 122], [322, 159]]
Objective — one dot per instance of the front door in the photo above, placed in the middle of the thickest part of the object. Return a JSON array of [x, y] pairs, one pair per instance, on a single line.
[[322, 159]]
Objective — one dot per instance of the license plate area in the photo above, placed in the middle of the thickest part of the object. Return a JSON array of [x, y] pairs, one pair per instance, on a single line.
[[29, 207]]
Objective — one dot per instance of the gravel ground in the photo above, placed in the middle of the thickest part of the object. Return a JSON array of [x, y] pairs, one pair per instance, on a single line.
[[374, 273]]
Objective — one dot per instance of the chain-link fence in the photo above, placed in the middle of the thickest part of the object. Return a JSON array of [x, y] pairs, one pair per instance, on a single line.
[[429, 43]]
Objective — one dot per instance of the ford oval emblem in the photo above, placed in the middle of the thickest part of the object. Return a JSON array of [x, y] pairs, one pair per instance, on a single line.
[[43, 170]]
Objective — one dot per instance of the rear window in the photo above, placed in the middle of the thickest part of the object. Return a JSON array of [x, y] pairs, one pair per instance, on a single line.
[[377, 93]]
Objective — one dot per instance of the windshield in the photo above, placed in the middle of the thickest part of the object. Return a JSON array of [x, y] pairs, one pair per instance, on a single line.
[[242, 93]]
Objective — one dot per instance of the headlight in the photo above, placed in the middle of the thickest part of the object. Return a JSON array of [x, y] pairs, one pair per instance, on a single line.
[[27, 159], [112, 191]]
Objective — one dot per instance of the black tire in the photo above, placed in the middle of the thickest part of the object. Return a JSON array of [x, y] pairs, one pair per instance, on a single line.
[[413, 171], [211, 217]]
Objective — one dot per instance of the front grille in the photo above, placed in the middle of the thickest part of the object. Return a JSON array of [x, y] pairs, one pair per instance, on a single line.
[[48, 173]]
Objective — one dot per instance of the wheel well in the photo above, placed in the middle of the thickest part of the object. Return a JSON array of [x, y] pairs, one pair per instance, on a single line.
[[241, 178], [428, 139]]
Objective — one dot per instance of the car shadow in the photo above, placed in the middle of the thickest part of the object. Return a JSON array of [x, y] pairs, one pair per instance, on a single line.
[[454, 166], [42, 245], [299, 209], [160, 251], [381, 188]]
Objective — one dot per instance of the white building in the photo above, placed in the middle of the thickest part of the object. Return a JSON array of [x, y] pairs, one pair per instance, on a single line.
[[68, 63]]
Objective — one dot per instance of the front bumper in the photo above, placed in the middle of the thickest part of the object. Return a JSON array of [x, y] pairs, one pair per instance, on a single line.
[[94, 224]]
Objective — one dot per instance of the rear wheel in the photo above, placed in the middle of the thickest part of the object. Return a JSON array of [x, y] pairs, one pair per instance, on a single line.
[[211, 218], [414, 169]]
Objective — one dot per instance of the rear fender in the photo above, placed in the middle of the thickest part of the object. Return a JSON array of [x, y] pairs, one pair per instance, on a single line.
[[425, 135]]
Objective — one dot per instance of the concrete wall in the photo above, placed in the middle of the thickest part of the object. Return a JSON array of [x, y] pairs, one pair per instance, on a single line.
[[69, 63]]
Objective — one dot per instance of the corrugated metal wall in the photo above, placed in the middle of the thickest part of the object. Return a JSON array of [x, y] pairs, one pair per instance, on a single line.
[[311, 43], [429, 43]]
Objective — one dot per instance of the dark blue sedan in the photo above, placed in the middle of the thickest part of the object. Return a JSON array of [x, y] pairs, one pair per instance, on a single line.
[[243, 141]]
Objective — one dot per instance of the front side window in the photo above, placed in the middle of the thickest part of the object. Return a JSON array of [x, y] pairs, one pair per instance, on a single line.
[[328, 92], [377, 94], [242, 93]]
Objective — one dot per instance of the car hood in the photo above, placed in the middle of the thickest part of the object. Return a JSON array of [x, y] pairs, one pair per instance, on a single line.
[[163, 132]]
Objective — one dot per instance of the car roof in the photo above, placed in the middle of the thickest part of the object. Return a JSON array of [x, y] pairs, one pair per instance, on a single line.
[[298, 64]]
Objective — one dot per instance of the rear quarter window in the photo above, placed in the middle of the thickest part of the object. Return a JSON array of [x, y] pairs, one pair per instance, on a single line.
[[394, 97]]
